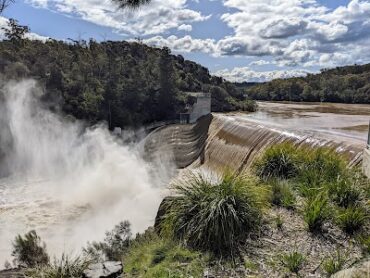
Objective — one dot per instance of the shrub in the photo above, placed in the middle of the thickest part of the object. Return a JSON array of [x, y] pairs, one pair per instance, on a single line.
[[64, 268], [29, 250], [215, 217], [282, 194], [150, 256], [114, 245], [343, 193], [316, 211], [279, 161], [293, 261], [352, 219], [321, 166], [334, 264]]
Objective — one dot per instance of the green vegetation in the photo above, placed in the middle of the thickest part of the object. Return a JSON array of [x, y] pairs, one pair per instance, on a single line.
[[322, 177], [116, 242], [282, 194], [334, 264], [316, 212], [29, 251], [152, 256], [348, 84], [352, 219], [279, 222], [122, 83], [293, 261], [63, 268], [215, 217], [279, 161]]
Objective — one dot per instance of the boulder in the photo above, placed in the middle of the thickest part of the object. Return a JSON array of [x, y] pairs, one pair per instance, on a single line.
[[104, 270]]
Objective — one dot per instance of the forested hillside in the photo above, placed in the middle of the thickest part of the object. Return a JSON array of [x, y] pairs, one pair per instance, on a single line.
[[124, 83], [350, 84]]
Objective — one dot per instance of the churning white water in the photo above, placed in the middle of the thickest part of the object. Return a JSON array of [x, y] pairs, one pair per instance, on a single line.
[[69, 183]]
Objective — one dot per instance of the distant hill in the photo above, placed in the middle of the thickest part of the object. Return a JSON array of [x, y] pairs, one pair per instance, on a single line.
[[127, 83], [349, 84]]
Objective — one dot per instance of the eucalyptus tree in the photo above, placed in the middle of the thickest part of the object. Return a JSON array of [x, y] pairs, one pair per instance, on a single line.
[[131, 4]]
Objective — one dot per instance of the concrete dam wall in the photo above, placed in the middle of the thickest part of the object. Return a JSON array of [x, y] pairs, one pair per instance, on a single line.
[[218, 142]]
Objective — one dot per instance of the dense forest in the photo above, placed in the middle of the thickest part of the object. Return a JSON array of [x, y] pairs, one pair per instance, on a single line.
[[123, 83], [350, 84]]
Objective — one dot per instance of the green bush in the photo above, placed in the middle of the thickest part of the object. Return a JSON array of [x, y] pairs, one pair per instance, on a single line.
[[352, 219], [334, 264], [316, 211], [278, 161], [29, 251], [343, 193], [64, 268], [114, 245], [151, 256], [282, 194], [293, 261], [321, 166], [215, 217]]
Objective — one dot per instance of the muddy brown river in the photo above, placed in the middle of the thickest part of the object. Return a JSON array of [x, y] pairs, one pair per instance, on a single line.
[[340, 122]]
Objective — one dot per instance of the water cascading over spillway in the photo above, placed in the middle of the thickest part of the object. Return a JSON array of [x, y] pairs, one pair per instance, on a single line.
[[69, 183], [228, 142]]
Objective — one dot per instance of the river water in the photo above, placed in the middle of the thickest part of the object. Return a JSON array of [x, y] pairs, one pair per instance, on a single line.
[[339, 122]]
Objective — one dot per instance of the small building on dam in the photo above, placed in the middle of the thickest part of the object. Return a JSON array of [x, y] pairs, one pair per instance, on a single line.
[[200, 108]]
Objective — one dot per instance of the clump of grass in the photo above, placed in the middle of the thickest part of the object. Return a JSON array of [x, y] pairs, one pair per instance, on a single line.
[[150, 256], [334, 264], [215, 217], [293, 261], [364, 240], [343, 193], [63, 268], [278, 161], [352, 219], [282, 194], [316, 211]]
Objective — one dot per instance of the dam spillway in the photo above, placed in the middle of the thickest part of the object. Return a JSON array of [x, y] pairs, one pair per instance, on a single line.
[[224, 141]]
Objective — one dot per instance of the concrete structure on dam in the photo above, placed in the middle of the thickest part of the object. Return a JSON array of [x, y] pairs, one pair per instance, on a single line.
[[366, 158], [201, 107]]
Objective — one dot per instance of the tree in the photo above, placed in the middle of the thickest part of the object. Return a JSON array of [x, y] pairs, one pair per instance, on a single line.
[[14, 31], [29, 251], [130, 4], [4, 4]]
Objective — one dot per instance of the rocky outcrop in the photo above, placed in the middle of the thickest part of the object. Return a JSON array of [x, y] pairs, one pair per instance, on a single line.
[[104, 270]]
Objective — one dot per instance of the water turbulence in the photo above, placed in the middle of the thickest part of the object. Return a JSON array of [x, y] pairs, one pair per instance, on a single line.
[[68, 182]]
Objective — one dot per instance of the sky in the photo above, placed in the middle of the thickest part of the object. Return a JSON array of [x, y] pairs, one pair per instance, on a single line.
[[241, 40]]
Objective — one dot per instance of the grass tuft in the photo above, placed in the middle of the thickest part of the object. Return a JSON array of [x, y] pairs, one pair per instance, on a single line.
[[215, 217], [278, 161], [352, 219], [282, 194], [293, 261], [334, 264], [316, 211]]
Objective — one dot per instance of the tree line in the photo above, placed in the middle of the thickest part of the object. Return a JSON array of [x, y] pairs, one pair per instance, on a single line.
[[350, 84], [123, 83]]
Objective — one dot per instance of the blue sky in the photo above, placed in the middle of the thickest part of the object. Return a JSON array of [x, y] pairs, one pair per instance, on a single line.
[[241, 40]]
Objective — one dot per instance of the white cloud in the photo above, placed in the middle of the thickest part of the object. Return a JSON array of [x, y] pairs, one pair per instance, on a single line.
[[158, 17], [242, 74], [185, 27]]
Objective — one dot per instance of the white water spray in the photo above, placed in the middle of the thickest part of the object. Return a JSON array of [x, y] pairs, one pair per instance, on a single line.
[[69, 183]]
